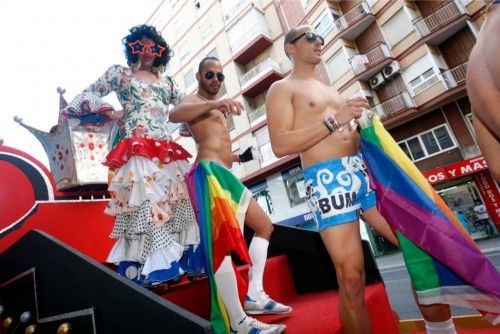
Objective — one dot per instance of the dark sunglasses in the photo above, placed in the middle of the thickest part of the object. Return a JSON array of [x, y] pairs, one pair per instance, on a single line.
[[210, 75], [310, 37]]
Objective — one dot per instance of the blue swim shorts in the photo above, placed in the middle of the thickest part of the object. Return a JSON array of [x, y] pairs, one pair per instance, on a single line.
[[337, 189]]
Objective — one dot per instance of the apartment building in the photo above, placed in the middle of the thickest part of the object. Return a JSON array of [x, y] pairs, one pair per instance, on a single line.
[[408, 58]]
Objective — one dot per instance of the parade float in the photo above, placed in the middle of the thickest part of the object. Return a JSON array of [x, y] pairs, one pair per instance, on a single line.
[[54, 241]]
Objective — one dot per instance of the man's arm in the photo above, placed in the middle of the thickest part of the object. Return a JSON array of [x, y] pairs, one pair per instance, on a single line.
[[280, 115], [191, 108]]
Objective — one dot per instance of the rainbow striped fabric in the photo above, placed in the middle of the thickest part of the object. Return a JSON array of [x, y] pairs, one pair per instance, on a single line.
[[220, 201], [444, 263]]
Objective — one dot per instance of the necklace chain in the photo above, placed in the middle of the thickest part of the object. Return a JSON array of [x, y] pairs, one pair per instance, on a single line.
[[220, 114]]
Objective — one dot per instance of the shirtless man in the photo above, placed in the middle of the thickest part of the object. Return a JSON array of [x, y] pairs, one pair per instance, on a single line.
[[483, 88], [207, 122], [307, 117]]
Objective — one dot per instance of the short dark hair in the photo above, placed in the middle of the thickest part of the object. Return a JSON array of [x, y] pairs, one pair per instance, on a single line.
[[204, 61], [144, 30], [289, 37]]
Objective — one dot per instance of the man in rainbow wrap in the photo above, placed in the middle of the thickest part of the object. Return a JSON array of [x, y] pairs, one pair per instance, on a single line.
[[307, 117], [222, 204]]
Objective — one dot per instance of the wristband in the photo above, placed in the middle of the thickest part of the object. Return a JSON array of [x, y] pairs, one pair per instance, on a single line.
[[328, 125], [332, 120]]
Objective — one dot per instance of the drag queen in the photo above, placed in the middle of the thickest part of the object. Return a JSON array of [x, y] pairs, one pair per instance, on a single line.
[[155, 227]]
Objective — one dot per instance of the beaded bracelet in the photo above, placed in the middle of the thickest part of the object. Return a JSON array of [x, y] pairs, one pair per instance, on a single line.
[[334, 123], [328, 125]]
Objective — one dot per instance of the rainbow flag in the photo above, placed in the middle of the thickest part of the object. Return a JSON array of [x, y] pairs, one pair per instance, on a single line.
[[220, 201], [444, 263]]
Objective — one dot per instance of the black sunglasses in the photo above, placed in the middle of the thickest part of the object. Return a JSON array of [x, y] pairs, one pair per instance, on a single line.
[[210, 75], [310, 37]]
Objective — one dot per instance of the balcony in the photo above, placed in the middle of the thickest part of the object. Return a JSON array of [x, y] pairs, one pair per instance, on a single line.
[[257, 115], [471, 151], [354, 22], [394, 106], [440, 88], [260, 77], [377, 57], [438, 27], [456, 76], [251, 43]]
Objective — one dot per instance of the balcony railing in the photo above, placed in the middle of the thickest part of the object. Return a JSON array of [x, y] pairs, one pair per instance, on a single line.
[[437, 19], [456, 76], [374, 56], [240, 41], [351, 16], [261, 67], [471, 151], [394, 105], [429, 82], [235, 10], [256, 114]]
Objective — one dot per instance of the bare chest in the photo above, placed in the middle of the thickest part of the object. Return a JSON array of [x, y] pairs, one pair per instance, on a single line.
[[311, 104]]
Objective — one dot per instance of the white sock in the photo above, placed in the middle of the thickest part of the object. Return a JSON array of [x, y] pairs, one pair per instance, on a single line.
[[258, 255], [440, 327], [225, 278]]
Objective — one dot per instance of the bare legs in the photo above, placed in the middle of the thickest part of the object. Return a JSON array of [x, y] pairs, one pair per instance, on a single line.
[[344, 247]]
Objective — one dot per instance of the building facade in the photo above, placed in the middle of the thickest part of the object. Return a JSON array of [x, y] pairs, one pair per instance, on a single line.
[[408, 58]]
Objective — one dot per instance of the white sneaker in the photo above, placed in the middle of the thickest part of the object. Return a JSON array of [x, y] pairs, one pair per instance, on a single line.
[[262, 304], [252, 326]]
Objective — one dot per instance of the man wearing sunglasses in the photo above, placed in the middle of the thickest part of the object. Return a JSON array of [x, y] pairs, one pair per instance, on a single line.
[[307, 117], [205, 115]]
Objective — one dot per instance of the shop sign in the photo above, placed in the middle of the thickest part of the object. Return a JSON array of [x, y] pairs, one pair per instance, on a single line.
[[489, 193], [456, 170]]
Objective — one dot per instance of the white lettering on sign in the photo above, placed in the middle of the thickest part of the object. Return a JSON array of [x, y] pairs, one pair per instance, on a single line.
[[452, 172]]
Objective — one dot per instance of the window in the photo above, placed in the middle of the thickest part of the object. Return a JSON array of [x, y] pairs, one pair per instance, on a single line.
[[424, 81], [178, 24], [429, 143], [199, 5], [324, 24], [184, 51], [174, 3], [206, 29], [294, 185], [260, 191], [470, 124], [305, 3], [189, 79], [337, 65], [397, 27], [264, 144]]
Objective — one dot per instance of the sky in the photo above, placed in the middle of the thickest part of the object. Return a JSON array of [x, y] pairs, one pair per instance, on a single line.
[[52, 43]]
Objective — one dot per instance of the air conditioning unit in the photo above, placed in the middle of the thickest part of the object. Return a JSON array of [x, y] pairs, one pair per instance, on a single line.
[[376, 81], [391, 70]]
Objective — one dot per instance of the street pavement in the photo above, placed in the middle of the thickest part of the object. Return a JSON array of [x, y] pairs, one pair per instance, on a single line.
[[395, 260], [398, 284]]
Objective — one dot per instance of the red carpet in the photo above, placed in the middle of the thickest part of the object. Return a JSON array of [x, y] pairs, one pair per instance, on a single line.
[[312, 312]]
